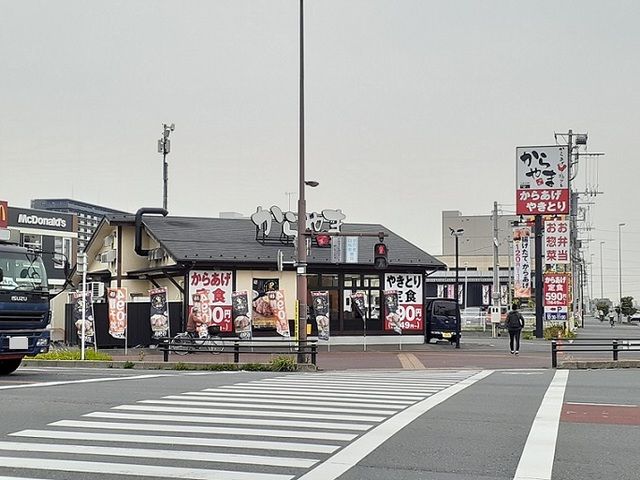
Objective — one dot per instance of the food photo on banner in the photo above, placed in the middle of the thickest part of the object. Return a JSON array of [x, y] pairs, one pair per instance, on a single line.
[[358, 301], [320, 301], [79, 304], [159, 312], [241, 314], [392, 314], [264, 318], [117, 298], [213, 289]]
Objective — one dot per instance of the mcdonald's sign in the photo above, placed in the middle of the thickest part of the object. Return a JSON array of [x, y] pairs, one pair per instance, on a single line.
[[4, 214]]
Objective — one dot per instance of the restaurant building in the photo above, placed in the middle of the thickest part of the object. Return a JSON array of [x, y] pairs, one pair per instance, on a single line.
[[186, 256]]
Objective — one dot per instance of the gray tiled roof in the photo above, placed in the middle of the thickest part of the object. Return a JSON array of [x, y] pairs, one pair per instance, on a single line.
[[234, 241]]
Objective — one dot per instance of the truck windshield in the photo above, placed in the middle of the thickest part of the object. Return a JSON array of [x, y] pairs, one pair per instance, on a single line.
[[22, 271]]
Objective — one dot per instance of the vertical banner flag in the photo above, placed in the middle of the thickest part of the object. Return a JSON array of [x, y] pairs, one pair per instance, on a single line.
[[277, 305], [521, 262], [542, 180], [358, 301], [117, 298], [159, 312], [320, 301], [79, 303], [504, 294], [263, 317], [556, 241], [242, 314], [556, 296], [451, 291], [486, 294], [213, 290], [351, 249], [408, 287], [391, 313], [441, 293]]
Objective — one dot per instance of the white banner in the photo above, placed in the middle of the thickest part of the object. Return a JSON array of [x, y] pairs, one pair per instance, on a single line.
[[556, 242], [522, 262]]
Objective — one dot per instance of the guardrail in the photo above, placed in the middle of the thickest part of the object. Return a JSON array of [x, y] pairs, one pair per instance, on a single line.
[[614, 345], [274, 347]]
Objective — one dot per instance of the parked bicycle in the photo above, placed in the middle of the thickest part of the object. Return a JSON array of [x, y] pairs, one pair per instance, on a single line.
[[185, 342]]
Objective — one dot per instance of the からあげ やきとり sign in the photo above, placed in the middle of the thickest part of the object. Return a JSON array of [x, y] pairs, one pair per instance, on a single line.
[[556, 242], [522, 262], [556, 295], [542, 180], [408, 288], [211, 291], [327, 221]]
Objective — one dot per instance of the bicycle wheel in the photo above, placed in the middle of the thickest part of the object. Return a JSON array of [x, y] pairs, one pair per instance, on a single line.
[[215, 345], [182, 344]]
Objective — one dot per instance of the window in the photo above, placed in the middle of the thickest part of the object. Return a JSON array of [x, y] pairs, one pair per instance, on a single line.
[[329, 280], [62, 248], [32, 241]]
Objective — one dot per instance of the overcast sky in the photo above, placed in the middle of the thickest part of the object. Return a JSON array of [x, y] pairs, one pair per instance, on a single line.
[[412, 107]]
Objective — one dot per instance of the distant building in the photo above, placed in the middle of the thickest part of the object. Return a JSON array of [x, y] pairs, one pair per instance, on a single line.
[[89, 215]]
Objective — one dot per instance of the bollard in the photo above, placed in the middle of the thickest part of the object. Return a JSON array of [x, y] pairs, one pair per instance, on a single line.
[[165, 350], [314, 351], [554, 354], [236, 352], [615, 350]]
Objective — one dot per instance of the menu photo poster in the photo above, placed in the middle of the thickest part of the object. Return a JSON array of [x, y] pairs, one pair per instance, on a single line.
[[117, 298], [320, 301], [241, 314], [159, 312], [84, 302], [392, 315]]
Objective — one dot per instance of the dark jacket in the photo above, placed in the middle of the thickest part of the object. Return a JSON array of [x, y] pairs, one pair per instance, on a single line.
[[515, 320]]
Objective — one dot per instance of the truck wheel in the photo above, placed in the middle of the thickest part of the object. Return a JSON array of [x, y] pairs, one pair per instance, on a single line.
[[9, 366]]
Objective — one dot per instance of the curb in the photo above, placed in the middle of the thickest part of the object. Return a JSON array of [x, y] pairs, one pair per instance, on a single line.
[[180, 366], [598, 364]]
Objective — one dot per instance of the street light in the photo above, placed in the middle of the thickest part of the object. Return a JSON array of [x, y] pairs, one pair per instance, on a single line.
[[620, 225], [601, 277], [164, 147], [457, 234]]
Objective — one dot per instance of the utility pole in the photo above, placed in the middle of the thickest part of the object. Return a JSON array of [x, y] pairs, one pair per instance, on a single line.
[[496, 280], [164, 147]]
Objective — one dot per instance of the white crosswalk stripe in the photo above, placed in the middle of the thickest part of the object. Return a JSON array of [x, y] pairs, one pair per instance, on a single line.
[[271, 429]]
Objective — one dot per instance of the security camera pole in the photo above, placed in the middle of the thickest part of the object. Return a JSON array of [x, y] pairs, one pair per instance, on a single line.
[[164, 147]]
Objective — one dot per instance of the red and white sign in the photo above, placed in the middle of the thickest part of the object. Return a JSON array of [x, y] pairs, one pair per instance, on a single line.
[[212, 291], [556, 290], [556, 241], [117, 311], [410, 301], [542, 180], [522, 262]]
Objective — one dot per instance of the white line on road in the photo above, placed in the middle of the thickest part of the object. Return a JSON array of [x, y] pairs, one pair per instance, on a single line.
[[165, 439], [233, 421], [536, 461], [251, 413], [252, 432], [602, 404], [86, 380], [280, 396], [325, 391], [356, 451], [192, 456], [131, 470]]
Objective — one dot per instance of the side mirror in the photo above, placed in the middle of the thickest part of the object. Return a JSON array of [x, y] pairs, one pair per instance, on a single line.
[[1, 275]]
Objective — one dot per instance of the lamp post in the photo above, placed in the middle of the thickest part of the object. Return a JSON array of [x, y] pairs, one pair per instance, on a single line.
[[457, 234], [620, 225], [466, 266], [601, 277], [164, 147]]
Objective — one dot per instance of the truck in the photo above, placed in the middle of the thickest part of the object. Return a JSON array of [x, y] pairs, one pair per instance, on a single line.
[[25, 311]]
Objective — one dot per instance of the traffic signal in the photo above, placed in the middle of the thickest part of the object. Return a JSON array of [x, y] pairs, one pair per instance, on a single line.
[[380, 252], [323, 240]]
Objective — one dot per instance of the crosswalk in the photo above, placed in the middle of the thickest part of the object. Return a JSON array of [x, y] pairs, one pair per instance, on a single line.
[[280, 428]]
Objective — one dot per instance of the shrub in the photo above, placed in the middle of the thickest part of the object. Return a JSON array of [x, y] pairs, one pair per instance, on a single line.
[[283, 363], [128, 364], [73, 354]]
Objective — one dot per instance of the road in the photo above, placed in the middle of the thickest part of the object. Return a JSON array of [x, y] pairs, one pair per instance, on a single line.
[[456, 424]]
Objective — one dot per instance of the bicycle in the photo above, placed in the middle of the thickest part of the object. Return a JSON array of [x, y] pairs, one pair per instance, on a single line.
[[187, 343]]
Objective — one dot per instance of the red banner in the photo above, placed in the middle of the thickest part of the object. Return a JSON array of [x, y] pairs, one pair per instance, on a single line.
[[117, 311]]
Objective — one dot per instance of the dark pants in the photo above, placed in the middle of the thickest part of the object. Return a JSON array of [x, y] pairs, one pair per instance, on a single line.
[[514, 335]]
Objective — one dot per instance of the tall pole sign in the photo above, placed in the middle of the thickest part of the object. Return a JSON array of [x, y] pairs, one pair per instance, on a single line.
[[542, 188]]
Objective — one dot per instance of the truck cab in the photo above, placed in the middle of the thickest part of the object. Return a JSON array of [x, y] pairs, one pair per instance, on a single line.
[[24, 306], [441, 318]]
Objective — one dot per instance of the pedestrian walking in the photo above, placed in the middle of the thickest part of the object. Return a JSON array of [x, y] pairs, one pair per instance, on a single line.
[[515, 323], [612, 322]]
